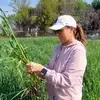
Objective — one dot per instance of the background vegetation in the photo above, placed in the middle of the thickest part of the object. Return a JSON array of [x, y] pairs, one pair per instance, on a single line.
[[29, 21], [39, 50]]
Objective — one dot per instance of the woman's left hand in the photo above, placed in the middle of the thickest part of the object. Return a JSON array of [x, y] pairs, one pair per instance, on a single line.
[[33, 67]]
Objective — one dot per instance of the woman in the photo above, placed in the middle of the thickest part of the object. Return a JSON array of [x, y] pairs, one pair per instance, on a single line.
[[65, 70]]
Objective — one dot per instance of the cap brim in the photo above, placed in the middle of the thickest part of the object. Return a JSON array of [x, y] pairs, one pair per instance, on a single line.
[[56, 27]]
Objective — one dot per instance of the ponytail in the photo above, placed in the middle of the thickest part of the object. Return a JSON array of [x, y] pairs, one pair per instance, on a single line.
[[79, 34]]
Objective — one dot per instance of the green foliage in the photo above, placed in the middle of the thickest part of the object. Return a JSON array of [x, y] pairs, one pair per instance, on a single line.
[[22, 14], [33, 19], [12, 82], [91, 90], [23, 17], [47, 14], [17, 51], [16, 4], [66, 7], [39, 50], [80, 8], [15, 46], [96, 4]]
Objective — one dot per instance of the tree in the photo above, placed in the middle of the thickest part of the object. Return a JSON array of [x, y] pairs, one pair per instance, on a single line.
[[76, 8], [80, 7], [66, 6], [24, 15], [16, 4], [96, 4], [92, 20], [47, 13]]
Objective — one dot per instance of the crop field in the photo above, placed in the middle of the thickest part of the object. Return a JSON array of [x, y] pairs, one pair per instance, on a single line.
[[13, 77]]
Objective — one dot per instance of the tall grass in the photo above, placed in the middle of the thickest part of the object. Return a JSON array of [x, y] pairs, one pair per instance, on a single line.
[[17, 51], [92, 76], [39, 50], [14, 81]]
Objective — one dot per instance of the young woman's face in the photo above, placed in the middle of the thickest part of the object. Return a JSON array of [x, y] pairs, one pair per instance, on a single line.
[[64, 34]]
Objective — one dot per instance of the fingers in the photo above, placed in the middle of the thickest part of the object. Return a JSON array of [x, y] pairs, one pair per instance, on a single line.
[[33, 67], [29, 67]]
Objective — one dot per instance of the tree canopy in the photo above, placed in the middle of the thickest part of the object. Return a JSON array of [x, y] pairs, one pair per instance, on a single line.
[[96, 4], [27, 18]]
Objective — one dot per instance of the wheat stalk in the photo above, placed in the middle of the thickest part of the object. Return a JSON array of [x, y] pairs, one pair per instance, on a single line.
[[18, 50]]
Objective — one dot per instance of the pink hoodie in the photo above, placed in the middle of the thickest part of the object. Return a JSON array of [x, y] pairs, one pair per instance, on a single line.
[[65, 72]]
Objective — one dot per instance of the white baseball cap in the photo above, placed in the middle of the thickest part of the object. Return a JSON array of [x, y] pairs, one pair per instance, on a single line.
[[62, 21]]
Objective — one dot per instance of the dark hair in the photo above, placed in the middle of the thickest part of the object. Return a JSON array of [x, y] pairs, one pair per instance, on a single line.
[[79, 34]]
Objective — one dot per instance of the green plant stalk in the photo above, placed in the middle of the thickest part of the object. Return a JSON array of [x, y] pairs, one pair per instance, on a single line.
[[18, 94], [15, 42], [13, 36], [11, 31], [19, 69]]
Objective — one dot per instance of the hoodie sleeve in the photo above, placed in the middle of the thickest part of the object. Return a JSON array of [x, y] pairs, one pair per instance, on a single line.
[[73, 73]]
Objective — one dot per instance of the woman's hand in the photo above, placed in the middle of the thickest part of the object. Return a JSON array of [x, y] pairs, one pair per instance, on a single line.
[[33, 67]]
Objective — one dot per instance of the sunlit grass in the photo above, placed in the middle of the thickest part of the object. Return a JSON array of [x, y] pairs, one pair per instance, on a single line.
[[39, 50], [18, 52]]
